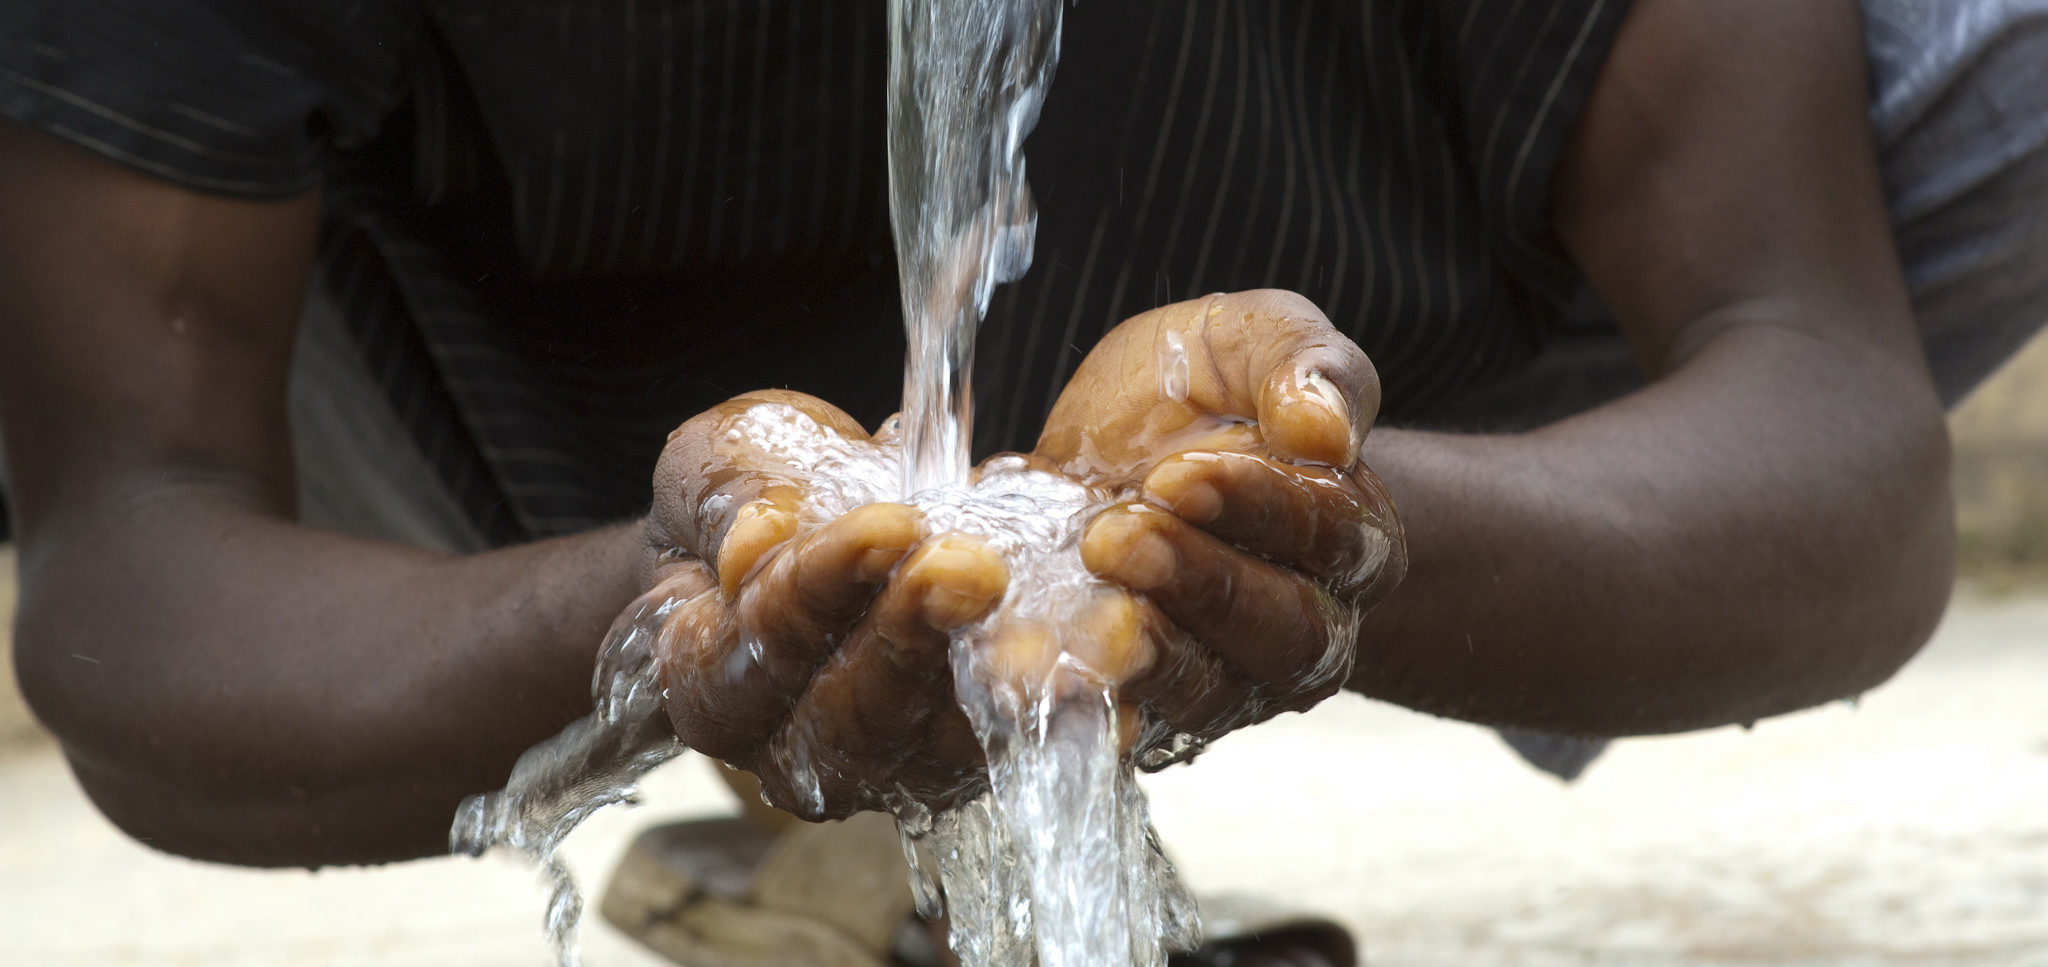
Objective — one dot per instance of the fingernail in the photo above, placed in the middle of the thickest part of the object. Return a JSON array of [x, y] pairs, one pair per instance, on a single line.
[[1128, 551], [757, 527], [1185, 488], [966, 580], [1318, 387], [1316, 424], [946, 609], [873, 564], [890, 531]]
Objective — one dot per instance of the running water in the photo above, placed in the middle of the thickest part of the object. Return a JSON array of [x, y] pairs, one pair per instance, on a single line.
[[966, 80], [1058, 859], [1056, 864]]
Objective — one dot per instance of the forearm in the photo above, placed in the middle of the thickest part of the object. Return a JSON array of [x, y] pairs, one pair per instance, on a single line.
[[1767, 529], [227, 683], [234, 686]]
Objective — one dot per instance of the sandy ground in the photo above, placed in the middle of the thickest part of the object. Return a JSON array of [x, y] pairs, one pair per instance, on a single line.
[[1910, 831]]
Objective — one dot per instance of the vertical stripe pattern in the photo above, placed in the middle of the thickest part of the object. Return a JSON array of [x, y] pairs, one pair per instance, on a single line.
[[591, 218]]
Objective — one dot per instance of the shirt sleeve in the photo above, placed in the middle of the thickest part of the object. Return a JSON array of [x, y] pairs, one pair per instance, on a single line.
[[1522, 71], [234, 97]]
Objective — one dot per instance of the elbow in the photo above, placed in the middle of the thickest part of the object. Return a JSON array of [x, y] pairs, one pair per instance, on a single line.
[[161, 814], [280, 828], [1884, 583], [176, 790], [135, 755], [129, 772], [173, 765], [1904, 583], [1828, 592], [69, 686]]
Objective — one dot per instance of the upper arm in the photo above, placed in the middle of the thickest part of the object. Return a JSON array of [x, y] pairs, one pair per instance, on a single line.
[[145, 336], [1723, 172], [1722, 195]]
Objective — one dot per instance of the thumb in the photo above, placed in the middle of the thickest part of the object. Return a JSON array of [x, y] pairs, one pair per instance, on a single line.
[[1316, 392]]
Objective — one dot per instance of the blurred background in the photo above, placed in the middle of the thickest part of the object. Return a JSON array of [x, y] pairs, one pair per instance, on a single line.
[[1911, 829]]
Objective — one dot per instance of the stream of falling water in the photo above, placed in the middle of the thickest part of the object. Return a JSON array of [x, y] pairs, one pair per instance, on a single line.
[[1056, 864]]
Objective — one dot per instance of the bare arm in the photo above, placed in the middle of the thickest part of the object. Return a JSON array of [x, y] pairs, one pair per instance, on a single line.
[[1765, 527], [228, 684]]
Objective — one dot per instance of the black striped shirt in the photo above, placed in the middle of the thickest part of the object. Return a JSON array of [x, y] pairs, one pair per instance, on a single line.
[[561, 227]]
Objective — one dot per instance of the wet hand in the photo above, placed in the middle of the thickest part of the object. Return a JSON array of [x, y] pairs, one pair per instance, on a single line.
[[808, 648], [1252, 538]]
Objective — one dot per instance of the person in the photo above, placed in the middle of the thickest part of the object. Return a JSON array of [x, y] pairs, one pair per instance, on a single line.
[[1663, 302]]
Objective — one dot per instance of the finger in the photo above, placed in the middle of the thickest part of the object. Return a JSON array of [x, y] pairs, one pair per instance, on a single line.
[[1190, 688], [719, 699], [1100, 647], [1032, 668], [1338, 527], [760, 525], [742, 667], [674, 582], [879, 685], [728, 485], [1274, 623], [864, 719], [810, 593], [1316, 393], [890, 432]]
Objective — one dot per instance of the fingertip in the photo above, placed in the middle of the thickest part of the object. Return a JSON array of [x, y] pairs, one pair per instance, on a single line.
[[1111, 639], [757, 527], [946, 609], [962, 578], [1184, 486], [1124, 546], [884, 534], [1305, 416], [1022, 654], [889, 431]]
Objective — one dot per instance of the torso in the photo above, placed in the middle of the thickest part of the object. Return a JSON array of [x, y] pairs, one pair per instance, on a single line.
[[685, 199]]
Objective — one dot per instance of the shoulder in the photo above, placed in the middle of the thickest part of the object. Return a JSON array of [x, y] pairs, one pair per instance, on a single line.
[[233, 97]]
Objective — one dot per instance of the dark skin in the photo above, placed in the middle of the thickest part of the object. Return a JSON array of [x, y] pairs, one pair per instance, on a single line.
[[1767, 526], [1764, 528], [227, 683]]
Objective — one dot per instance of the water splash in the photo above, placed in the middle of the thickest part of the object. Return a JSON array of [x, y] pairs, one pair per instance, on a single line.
[[593, 763], [1063, 836]]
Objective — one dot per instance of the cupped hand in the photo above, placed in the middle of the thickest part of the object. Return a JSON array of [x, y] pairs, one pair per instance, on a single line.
[[1252, 538], [809, 644]]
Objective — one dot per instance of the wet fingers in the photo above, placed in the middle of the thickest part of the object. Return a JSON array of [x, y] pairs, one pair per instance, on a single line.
[[1273, 623], [879, 713], [1335, 526], [1192, 690], [809, 594], [728, 484]]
